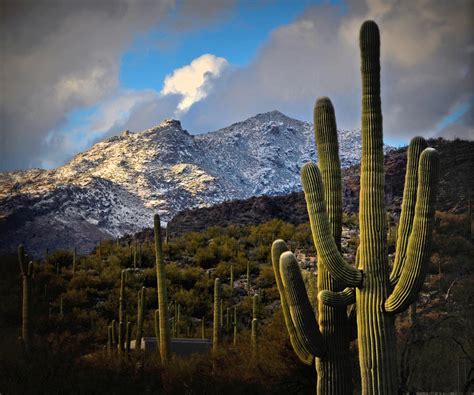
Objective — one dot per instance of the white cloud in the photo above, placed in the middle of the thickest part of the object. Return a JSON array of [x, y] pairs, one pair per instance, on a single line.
[[116, 111], [194, 81]]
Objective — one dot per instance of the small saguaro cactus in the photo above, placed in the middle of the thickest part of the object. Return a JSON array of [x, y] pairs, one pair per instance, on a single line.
[[178, 320], [235, 325], [74, 263], [255, 306], [113, 334], [109, 339], [227, 320], [122, 321], [203, 328], [376, 294], [247, 286], [128, 337], [165, 338], [26, 270], [140, 317], [216, 328], [254, 337]]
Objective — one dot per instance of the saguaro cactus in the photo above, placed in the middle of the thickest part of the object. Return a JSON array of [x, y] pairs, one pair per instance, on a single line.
[[122, 322], [216, 329], [254, 337], [74, 259], [247, 286], [128, 337], [369, 285], [140, 317], [165, 338], [26, 270], [235, 326]]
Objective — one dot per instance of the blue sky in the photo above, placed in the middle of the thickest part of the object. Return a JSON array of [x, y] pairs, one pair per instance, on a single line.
[[102, 68], [236, 37]]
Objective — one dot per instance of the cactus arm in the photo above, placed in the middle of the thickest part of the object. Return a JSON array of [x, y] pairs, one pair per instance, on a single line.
[[321, 229], [165, 337], [417, 145], [325, 133], [414, 270], [343, 298], [302, 352], [299, 306]]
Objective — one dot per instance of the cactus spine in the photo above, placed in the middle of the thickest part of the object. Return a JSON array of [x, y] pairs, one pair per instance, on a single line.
[[140, 317], [26, 272], [216, 329], [369, 285], [165, 339]]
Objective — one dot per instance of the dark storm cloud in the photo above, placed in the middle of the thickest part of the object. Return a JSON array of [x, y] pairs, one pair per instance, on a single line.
[[61, 55]]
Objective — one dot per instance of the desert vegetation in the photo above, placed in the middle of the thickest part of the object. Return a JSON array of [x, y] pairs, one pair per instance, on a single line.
[[68, 348]]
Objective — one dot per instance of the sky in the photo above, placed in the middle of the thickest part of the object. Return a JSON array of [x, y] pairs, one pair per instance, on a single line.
[[75, 72]]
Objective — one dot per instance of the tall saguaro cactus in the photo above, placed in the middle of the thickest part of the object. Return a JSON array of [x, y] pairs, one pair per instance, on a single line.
[[165, 338], [216, 328], [140, 316], [377, 295], [122, 323]]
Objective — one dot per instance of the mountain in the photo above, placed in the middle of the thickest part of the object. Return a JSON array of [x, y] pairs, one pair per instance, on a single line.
[[455, 187], [115, 187]]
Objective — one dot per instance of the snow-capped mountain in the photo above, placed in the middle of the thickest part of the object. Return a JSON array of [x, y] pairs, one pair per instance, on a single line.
[[115, 187]]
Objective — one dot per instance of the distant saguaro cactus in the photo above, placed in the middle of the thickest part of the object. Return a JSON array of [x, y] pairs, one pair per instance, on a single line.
[[254, 338], [140, 317], [235, 325], [128, 337], [216, 329], [26, 270], [122, 323], [247, 286], [165, 338], [74, 263], [377, 295]]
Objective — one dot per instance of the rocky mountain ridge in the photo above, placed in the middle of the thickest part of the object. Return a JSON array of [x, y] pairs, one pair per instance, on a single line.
[[115, 187]]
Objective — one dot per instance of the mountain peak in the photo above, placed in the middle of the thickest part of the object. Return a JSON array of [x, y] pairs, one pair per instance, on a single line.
[[169, 122]]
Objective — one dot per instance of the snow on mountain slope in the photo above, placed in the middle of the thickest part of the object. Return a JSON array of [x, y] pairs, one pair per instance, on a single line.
[[115, 187]]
